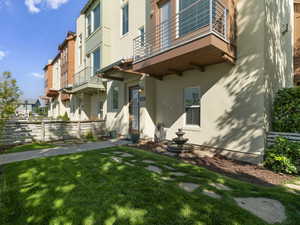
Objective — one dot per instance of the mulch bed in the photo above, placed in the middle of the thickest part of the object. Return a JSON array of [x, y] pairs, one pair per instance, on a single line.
[[240, 170]]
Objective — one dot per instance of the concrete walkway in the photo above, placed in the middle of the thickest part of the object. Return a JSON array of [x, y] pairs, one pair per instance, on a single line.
[[22, 156]]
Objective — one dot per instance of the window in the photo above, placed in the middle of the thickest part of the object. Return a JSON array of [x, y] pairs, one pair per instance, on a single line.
[[96, 60], [142, 34], [125, 19], [97, 19], [93, 20], [115, 98], [80, 50], [89, 24], [193, 17], [192, 105], [100, 110]]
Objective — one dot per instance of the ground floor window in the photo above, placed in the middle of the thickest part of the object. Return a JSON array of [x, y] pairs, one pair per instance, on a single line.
[[115, 97], [192, 106]]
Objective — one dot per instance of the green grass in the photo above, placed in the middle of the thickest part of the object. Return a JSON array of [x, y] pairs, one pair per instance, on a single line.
[[28, 147], [92, 189]]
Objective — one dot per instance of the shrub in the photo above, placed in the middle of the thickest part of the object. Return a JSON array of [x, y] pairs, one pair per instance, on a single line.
[[286, 112], [65, 117], [90, 137], [283, 156]]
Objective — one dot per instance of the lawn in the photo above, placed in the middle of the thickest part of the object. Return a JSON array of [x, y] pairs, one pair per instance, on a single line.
[[27, 147], [93, 188]]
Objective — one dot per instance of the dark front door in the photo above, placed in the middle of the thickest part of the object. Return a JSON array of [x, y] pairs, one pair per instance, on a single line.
[[134, 110]]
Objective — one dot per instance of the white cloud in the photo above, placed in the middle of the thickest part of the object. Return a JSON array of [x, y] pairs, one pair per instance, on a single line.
[[2, 55], [34, 6], [37, 75]]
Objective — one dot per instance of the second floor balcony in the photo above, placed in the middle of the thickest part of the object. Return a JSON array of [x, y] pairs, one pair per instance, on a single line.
[[196, 36], [86, 81]]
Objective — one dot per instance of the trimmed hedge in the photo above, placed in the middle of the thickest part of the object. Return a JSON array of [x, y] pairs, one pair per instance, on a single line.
[[286, 112]]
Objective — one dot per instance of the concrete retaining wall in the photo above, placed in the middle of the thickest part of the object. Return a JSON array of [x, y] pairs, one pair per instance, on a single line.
[[24, 132]]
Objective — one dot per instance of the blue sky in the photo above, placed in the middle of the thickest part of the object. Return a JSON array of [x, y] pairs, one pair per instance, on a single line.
[[30, 32]]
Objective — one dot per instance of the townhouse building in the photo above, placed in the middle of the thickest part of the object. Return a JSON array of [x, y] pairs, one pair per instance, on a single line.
[[209, 67]]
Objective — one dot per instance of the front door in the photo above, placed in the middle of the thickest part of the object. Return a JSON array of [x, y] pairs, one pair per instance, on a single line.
[[134, 110]]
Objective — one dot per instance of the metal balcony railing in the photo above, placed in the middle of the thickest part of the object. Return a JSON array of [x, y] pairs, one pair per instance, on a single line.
[[201, 18], [86, 76]]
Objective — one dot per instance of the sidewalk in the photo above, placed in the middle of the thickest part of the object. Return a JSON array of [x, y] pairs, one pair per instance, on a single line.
[[22, 156]]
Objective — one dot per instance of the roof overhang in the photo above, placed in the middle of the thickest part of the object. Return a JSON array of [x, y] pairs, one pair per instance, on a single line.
[[52, 93], [121, 70]]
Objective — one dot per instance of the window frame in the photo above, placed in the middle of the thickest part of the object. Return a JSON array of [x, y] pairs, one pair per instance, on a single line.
[[112, 98], [93, 61], [125, 5], [90, 27], [186, 125]]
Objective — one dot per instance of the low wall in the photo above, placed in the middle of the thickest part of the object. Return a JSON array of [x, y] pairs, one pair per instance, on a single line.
[[271, 137], [24, 132]]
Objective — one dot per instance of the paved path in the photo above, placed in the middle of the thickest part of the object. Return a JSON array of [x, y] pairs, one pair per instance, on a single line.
[[22, 156]]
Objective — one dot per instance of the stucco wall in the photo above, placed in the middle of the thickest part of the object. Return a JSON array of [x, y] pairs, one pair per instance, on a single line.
[[278, 50], [232, 104]]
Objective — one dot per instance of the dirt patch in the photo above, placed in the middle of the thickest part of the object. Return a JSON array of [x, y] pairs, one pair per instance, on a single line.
[[240, 170]]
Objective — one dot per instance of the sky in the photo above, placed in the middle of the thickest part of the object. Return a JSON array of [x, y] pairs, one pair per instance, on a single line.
[[30, 32]]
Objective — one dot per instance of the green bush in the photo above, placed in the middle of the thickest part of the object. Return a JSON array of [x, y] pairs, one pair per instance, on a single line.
[[283, 156], [286, 112], [65, 117], [90, 137]]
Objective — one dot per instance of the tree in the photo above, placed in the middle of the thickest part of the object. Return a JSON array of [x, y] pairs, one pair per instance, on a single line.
[[9, 97]]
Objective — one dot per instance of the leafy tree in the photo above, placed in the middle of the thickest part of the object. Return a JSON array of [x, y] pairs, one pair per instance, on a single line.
[[9, 97]]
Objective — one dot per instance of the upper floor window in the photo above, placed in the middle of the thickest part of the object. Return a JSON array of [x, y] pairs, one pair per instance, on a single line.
[[142, 34], [80, 50], [125, 19], [93, 20], [193, 15], [97, 18], [96, 60], [192, 106]]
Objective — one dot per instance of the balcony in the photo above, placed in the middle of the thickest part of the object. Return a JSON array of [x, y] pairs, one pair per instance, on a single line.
[[51, 93], [195, 37], [86, 81]]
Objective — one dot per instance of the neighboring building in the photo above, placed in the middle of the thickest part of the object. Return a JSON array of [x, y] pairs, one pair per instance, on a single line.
[[27, 106], [59, 78], [297, 42], [211, 67]]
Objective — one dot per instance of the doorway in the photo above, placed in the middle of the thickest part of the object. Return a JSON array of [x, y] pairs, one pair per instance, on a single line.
[[134, 110]]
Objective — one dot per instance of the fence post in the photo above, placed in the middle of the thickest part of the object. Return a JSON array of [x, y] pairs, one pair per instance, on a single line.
[[43, 132], [78, 130]]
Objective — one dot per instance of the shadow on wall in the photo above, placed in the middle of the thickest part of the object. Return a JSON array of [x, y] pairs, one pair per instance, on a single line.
[[245, 121]]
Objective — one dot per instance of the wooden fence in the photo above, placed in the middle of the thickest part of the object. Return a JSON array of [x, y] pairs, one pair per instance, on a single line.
[[271, 136], [25, 132]]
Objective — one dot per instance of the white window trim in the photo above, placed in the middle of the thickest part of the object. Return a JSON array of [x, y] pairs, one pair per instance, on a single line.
[[190, 126], [91, 12], [121, 19], [112, 98]]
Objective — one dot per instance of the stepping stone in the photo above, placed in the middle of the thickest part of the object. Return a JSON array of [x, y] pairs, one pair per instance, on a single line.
[[154, 169], [269, 210], [178, 174], [118, 152], [169, 153], [293, 186], [129, 164], [126, 155], [189, 187], [211, 194], [148, 161], [297, 182], [220, 186], [169, 168], [116, 159]]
